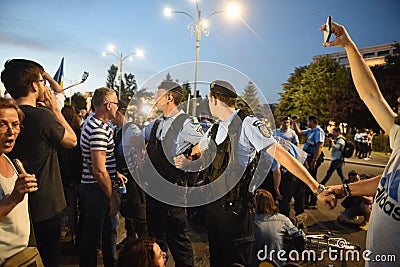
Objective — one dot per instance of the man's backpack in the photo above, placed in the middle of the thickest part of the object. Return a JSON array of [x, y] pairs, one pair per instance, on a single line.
[[348, 149]]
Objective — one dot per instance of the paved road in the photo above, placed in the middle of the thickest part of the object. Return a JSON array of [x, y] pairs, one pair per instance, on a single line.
[[319, 221]]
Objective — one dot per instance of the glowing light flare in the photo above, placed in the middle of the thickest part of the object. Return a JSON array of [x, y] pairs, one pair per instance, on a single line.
[[168, 12], [233, 10]]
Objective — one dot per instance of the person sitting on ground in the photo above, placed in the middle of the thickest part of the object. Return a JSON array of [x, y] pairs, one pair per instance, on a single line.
[[270, 226], [356, 205], [141, 252]]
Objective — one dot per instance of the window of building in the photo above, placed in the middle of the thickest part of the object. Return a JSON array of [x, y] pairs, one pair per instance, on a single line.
[[383, 53], [343, 60], [369, 55]]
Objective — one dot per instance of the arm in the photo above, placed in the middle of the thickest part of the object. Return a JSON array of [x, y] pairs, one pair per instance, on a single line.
[[361, 188], [277, 182], [296, 128], [69, 140], [103, 179], [316, 155], [364, 80], [24, 184], [298, 170]]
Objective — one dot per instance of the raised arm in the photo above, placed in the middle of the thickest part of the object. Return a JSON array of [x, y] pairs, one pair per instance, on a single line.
[[364, 80]]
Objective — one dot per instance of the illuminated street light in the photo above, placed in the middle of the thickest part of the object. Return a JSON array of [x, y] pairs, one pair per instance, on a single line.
[[200, 25], [121, 58]]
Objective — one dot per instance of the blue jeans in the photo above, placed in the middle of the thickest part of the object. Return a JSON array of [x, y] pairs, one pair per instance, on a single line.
[[335, 165], [96, 225]]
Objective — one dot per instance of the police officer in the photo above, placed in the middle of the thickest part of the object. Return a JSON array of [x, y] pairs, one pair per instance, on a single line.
[[315, 138], [238, 137], [173, 133], [133, 202]]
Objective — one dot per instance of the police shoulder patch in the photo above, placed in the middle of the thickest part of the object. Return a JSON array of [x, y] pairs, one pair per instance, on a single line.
[[262, 128]]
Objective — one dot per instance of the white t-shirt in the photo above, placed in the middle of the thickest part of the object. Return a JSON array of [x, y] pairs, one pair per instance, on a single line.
[[383, 236], [15, 227]]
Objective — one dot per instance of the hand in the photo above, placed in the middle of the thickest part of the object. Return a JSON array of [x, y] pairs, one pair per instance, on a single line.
[[25, 183], [122, 178], [278, 194], [53, 84], [49, 100], [313, 164], [114, 203], [181, 161], [328, 199], [337, 190], [342, 37]]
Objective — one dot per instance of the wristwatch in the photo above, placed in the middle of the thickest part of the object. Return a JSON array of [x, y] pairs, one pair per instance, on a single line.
[[319, 190], [346, 188]]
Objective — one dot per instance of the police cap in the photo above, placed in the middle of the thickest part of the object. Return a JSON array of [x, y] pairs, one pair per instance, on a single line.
[[223, 88], [170, 86]]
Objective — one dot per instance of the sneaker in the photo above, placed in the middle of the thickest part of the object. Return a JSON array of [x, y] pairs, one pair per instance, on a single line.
[[301, 219], [364, 226]]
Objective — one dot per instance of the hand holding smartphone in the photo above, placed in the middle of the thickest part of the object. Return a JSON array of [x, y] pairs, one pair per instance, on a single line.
[[328, 29]]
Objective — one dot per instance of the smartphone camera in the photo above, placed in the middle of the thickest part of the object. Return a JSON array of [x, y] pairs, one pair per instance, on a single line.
[[328, 29], [294, 117]]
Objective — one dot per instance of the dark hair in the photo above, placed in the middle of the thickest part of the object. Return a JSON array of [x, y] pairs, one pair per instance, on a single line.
[[8, 103], [313, 118], [229, 101], [177, 97], [18, 76], [337, 130], [71, 117], [137, 252], [265, 202]]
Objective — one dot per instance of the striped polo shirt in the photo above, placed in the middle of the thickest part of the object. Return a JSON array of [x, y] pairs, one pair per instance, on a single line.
[[97, 135]]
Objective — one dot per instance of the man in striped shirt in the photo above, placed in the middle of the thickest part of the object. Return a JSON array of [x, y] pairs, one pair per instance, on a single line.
[[98, 202]]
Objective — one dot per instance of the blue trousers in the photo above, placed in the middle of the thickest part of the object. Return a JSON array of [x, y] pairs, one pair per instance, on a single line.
[[96, 225]]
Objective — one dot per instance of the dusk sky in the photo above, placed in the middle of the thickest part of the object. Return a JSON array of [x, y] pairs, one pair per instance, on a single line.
[[266, 43]]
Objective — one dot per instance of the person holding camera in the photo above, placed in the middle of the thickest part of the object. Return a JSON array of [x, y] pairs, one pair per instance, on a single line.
[[315, 138], [337, 143]]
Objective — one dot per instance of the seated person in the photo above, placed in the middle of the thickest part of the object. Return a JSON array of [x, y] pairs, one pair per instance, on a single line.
[[142, 252], [356, 205], [270, 227]]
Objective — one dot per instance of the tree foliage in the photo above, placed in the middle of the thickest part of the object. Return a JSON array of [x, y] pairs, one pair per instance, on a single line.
[[112, 75], [250, 97], [128, 85]]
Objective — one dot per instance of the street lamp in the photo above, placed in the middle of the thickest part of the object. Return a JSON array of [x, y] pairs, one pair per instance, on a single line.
[[121, 58], [200, 25]]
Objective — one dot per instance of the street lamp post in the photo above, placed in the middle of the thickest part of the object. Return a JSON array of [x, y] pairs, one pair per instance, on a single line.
[[199, 26], [121, 58]]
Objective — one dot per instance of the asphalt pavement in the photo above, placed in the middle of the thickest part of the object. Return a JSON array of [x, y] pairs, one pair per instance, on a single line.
[[319, 221]]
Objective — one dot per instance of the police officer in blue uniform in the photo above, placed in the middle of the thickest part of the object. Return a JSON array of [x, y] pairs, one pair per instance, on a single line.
[[173, 133], [238, 138]]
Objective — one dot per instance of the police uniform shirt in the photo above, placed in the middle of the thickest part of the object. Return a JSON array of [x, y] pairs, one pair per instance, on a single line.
[[131, 130], [314, 136], [189, 135], [289, 134], [254, 137]]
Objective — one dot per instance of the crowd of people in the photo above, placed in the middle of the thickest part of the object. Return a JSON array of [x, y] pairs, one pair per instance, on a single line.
[[69, 162]]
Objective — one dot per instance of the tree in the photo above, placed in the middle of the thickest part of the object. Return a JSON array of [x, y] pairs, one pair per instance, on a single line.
[[112, 74], [187, 89], [250, 97], [128, 86]]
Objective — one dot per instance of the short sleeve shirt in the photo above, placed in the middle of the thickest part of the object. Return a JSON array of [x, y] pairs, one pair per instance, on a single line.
[[314, 136], [97, 135]]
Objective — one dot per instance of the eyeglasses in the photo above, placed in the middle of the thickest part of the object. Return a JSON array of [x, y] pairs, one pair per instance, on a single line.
[[44, 81], [15, 126], [115, 103]]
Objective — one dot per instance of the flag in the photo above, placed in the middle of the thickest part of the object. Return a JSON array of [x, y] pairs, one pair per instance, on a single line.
[[59, 76]]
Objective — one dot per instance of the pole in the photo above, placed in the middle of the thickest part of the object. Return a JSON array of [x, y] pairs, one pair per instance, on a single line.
[[196, 70], [120, 78]]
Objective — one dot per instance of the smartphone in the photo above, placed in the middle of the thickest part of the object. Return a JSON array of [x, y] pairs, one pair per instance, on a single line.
[[294, 117], [328, 29], [18, 165]]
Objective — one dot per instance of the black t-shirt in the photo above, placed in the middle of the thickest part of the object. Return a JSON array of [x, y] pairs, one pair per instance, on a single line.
[[36, 147]]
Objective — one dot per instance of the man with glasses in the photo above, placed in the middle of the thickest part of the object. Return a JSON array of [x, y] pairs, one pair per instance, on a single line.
[[99, 203], [44, 129]]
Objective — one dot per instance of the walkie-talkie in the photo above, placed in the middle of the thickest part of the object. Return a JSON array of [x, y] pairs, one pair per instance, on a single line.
[[18, 165]]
